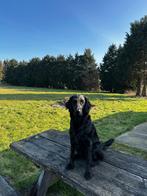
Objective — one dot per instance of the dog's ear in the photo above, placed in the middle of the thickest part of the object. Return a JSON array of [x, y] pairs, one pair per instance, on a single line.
[[87, 106], [67, 102]]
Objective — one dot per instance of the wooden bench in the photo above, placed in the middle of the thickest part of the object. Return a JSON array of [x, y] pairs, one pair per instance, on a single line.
[[118, 175], [6, 189]]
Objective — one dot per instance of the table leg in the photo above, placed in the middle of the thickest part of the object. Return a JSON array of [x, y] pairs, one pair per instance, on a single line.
[[46, 179]]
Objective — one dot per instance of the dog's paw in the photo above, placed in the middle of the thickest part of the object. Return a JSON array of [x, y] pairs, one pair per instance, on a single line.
[[87, 175], [69, 166]]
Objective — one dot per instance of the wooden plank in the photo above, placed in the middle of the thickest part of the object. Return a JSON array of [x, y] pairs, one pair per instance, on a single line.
[[122, 178], [51, 146], [39, 155], [57, 136], [132, 164], [107, 179], [6, 189]]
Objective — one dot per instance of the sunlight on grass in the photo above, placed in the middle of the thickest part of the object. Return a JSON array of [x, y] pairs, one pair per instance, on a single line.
[[26, 111]]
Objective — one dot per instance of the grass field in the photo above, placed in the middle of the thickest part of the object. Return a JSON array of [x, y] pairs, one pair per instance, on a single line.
[[26, 111]]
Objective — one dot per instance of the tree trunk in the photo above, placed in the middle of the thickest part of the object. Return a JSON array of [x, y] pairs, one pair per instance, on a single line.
[[139, 86], [144, 90]]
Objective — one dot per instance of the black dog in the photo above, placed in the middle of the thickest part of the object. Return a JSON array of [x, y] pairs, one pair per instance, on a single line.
[[84, 140]]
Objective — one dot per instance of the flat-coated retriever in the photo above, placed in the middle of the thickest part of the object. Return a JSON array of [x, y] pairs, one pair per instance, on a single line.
[[84, 140]]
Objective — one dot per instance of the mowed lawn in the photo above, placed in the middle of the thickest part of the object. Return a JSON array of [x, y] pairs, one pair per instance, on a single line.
[[26, 111]]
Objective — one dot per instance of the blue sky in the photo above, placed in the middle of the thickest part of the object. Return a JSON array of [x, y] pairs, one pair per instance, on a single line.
[[32, 28]]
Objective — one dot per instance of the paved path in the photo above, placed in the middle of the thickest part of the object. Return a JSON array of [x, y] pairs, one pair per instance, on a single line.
[[135, 138]]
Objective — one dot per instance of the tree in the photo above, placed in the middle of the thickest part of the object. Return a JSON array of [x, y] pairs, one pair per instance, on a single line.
[[135, 50], [108, 69], [85, 74], [126, 67], [70, 72], [10, 67], [1, 70], [90, 79], [78, 72], [47, 65]]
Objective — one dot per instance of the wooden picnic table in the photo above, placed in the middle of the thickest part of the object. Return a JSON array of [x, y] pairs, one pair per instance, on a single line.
[[118, 175]]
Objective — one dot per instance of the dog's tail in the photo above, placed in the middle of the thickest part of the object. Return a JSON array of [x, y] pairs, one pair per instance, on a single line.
[[108, 143], [105, 145], [100, 148]]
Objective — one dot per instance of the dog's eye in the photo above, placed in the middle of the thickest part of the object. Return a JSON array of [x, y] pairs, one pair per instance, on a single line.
[[81, 101]]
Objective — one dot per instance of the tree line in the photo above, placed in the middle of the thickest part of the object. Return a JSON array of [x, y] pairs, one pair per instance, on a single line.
[[72, 72], [122, 68], [125, 67]]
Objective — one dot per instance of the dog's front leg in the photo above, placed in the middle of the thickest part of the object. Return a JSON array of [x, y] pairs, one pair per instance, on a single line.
[[87, 174], [70, 165]]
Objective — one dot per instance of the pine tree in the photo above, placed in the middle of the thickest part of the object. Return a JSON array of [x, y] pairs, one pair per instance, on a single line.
[[108, 69], [136, 49]]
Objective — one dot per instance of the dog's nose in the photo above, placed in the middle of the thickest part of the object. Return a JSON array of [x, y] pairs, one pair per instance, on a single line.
[[78, 110]]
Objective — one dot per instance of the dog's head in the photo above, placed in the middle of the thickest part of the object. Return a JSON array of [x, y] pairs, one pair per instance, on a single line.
[[78, 105]]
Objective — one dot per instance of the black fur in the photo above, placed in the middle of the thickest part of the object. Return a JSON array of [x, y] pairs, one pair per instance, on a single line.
[[84, 140]]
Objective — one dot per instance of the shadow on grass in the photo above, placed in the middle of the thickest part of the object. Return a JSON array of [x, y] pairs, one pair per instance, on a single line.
[[119, 123], [52, 96], [33, 93], [36, 89]]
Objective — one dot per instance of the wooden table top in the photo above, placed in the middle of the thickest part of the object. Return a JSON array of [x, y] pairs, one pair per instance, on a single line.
[[118, 175]]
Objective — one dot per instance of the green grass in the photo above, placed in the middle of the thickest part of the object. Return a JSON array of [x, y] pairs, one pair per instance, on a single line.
[[26, 111]]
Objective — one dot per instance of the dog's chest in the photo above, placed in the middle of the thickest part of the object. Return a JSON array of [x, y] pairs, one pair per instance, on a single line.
[[80, 138]]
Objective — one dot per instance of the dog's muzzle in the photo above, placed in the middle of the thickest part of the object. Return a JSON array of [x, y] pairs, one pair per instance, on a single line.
[[79, 112]]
